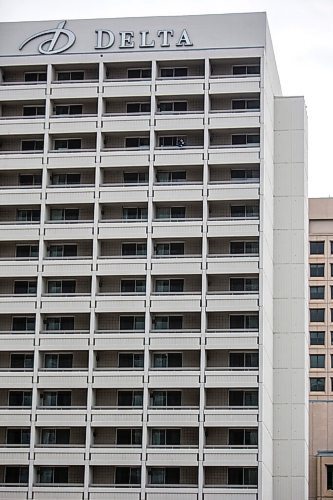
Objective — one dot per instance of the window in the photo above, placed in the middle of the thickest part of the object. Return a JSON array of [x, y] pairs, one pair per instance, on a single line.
[[68, 109], [135, 213], [57, 398], [317, 384], [167, 360], [317, 315], [244, 247], [133, 286], [173, 72], [245, 104], [169, 286], [130, 398], [65, 179], [164, 475], [241, 321], [166, 398], [246, 69], [54, 475], [130, 360], [33, 110], [172, 106], [317, 360], [169, 177], [64, 214], [243, 437], [55, 436], [18, 436], [29, 215], [128, 475], [27, 251], [169, 141], [139, 74], [245, 139], [168, 322], [165, 437], [60, 323], [55, 360], [244, 284], [57, 251], [137, 142], [318, 292], [244, 174], [138, 107], [19, 398], [317, 247], [135, 177], [132, 322], [329, 473], [244, 211], [176, 248], [70, 75], [243, 476], [243, 398], [22, 360], [61, 286], [23, 323], [16, 475], [244, 359], [35, 76], [32, 145], [170, 212], [63, 144], [133, 249], [30, 179], [129, 437], [317, 338], [317, 270], [25, 287]]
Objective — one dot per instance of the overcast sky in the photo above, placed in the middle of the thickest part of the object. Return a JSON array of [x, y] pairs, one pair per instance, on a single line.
[[302, 39]]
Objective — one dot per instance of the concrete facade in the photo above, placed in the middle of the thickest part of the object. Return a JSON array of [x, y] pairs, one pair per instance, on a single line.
[[152, 211]]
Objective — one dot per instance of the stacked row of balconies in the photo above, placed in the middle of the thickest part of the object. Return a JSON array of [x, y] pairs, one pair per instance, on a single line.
[[129, 280]]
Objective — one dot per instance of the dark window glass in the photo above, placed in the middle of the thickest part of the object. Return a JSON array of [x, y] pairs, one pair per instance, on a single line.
[[130, 360], [70, 75], [317, 270], [22, 360], [25, 287], [33, 110], [139, 73], [130, 398], [318, 292], [317, 338], [30, 179], [317, 360], [137, 142], [132, 322], [317, 315], [135, 177], [129, 436], [20, 398], [28, 215], [35, 77], [317, 384], [128, 475], [32, 145], [26, 251], [329, 472], [18, 436], [14, 474], [317, 247], [23, 323]]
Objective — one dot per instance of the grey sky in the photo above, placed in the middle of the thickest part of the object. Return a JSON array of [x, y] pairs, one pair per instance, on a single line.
[[302, 38]]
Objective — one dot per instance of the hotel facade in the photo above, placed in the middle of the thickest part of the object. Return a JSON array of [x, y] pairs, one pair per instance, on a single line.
[[153, 262]]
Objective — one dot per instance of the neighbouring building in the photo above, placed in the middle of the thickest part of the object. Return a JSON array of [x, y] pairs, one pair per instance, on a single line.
[[153, 262], [321, 348]]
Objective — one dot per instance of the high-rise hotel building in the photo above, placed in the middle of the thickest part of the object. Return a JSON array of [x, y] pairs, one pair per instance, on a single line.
[[153, 257]]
